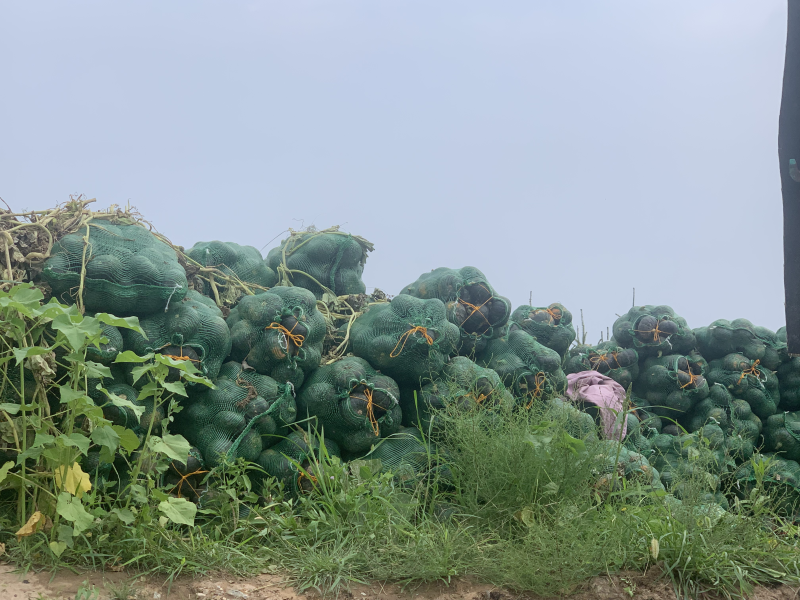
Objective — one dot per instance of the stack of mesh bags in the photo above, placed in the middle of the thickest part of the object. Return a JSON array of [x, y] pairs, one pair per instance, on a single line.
[[411, 458], [245, 413], [616, 461], [192, 329], [462, 386], [329, 261], [782, 435], [550, 325], [278, 333], [295, 461], [748, 380], [128, 270], [789, 378], [528, 369], [242, 263], [781, 477], [354, 405], [653, 331], [408, 339], [607, 358], [472, 304], [740, 336], [669, 386]]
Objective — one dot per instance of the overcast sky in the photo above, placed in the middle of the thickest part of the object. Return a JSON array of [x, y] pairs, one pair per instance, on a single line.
[[572, 149]]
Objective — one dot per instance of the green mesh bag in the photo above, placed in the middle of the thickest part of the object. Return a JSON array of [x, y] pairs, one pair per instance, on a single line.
[[192, 329], [733, 416], [530, 370], [579, 424], [410, 458], [329, 261], [294, 460], [244, 263], [722, 338], [671, 385], [150, 420], [129, 271], [408, 339], [246, 413], [781, 478], [551, 325], [462, 386], [782, 435], [353, 403], [278, 333], [789, 384], [747, 380], [616, 460], [185, 478], [654, 330], [109, 350], [471, 304], [607, 358]]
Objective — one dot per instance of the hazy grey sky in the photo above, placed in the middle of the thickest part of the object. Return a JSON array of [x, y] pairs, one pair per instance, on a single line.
[[575, 149]]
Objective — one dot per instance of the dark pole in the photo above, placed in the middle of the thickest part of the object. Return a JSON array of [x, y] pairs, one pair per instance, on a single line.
[[789, 155]]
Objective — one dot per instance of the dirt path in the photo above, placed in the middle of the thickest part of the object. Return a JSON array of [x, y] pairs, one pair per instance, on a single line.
[[119, 586]]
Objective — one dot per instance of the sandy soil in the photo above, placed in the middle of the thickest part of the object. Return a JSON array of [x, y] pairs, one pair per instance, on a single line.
[[109, 586]]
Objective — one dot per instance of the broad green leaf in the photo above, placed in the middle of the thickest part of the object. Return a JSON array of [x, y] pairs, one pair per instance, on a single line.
[[129, 356], [140, 371], [30, 453], [77, 333], [11, 409], [71, 509], [22, 353], [124, 322], [79, 441], [105, 436], [58, 548], [95, 370], [123, 402], [69, 396], [128, 440], [174, 446], [42, 439], [178, 510], [176, 387], [148, 390], [4, 470], [124, 515]]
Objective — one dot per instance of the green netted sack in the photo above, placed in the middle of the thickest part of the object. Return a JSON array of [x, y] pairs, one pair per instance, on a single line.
[[109, 350], [700, 456], [722, 338], [616, 460], [408, 339], [129, 271], [461, 386], [530, 370], [654, 330], [671, 385], [354, 404], [607, 358], [150, 420], [293, 461], [192, 329], [185, 478], [550, 325], [410, 458], [328, 261], [781, 478], [245, 413], [747, 380], [580, 425], [243, 263], [278, 333], [782, 435], [471, 302]]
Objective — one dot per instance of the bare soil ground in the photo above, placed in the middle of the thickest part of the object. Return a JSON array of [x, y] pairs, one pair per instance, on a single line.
[[112, 586]]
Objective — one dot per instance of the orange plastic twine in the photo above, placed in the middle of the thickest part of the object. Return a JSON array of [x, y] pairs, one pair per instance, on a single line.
[[476, 309], [655, 331], [185, 478], [376, 429], [596, 360], [297, 338], [555, 313], [692, 378], [302, 476], [753, 370], [404, 338], [538, 382], [181, 357]]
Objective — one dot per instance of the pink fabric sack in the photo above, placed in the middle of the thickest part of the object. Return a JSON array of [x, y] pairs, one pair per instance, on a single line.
[[603, 392]]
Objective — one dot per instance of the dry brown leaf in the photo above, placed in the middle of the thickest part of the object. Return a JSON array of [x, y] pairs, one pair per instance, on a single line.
[[34, 524]]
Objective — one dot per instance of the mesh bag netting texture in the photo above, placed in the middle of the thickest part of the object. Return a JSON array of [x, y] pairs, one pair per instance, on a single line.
[[354, 404], [654, 330], [471, 302], [408, 339], [243, 263], [244, 414], [192, 329], [616, 460], [747, 380], [671, 385], [124, 269], [740, 336], [607, 358], [530, 370], [782, 435], [328, 261], [410, 458], [789, 378], [781, 477], [462, 386], [278, 333], [294, 461], [550, 325]]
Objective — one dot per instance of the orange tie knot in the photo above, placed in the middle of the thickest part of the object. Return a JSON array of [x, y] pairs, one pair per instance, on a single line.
[[477, 309], [401, 343], [753, 370], [538, 382], [296, 338], [597, 360]]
